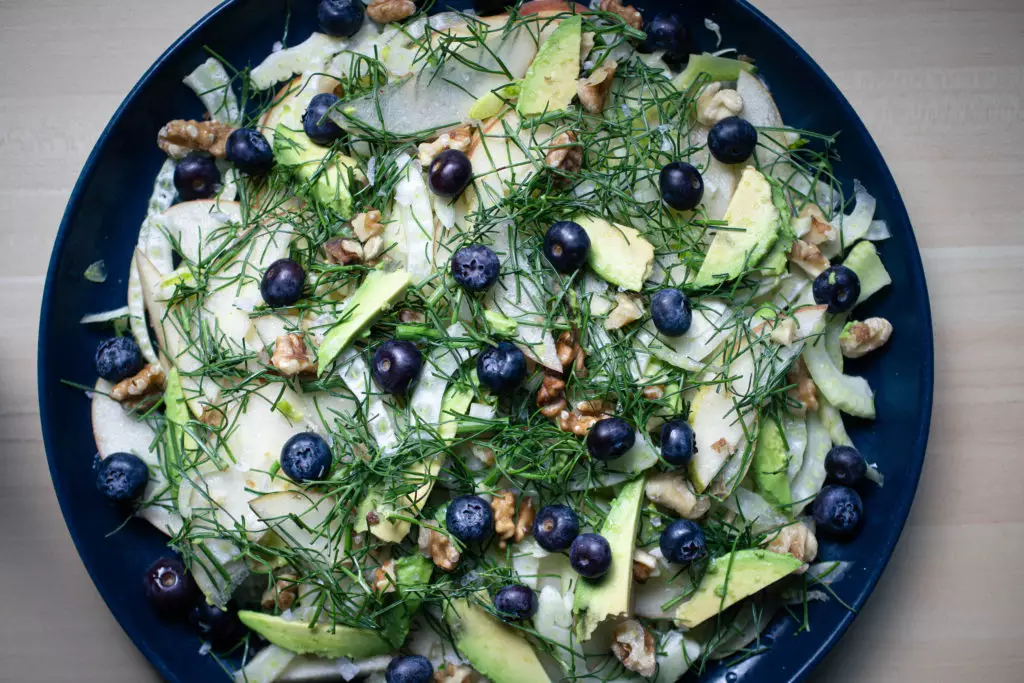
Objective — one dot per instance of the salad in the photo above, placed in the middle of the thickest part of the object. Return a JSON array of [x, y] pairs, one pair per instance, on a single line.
[[501, 345]]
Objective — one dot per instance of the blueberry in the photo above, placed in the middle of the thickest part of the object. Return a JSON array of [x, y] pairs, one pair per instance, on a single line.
[[590, 555], [838, 510], [682, 542], [170, 588], [122, 477], [677, 442], [470, 519], [732, 140], [249, 151], [475, 267], [682, 186], [449, 173], [515, 602], [845, 465], [282, 283], [196, 177], [218, 627], [556, 527], [501, 368], [566, 244], [306, 457], [409, 669], [610, 438], [837, 286], [396, 364], [320, 128], [666, 32], [671, 312], [340, 18], [118, 358]]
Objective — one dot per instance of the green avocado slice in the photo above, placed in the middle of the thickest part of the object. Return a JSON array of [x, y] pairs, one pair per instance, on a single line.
[[320, 640]]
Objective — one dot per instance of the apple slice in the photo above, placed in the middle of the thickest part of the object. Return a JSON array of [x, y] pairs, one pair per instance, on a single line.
[[200, 227], [760, 110], [718, 431], [305, 520]]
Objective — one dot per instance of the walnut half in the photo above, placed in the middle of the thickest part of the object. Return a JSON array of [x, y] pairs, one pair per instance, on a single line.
[[593, 90], [628, 13], [564, 154], [291, 356], [797, 540], [389, 11], [508, 525], [179, 137], [860, 338], [148, 382], [671, 490], [634, 647], [438, 548], [715, 104]]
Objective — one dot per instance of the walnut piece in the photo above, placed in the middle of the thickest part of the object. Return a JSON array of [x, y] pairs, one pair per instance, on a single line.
[[634, 647], [564, 154], [343, 252], [407, 315], [389, 11], [671, 490], [438, 548], [628, 13], [179, 137], [148, 382], [524, 519], [483, 454], [282, 594], [504, 507], [645, 565], [808, 257], [551, 395], [373, 248], [452, 673], [860, 338], [627, 309], [384, 578], [593, 90], [584, 416], [715, 103], [797, 540], [291, 356], [367, 224], [459, 139], [821, 230], [654, 392], [805, 391]]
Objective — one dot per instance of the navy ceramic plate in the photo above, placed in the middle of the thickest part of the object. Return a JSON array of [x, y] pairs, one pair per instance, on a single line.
[[107, 206]]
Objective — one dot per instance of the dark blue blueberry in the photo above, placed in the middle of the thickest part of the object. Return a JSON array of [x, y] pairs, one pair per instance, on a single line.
[[666, 32], [282, 283], [838, 287], [249, 151], [449, 173], [170, 588], [566, 244], [320, 128], [218, 627], [677, 442], [501, 368], [409, 669], [122, 477], [118, 358], [682, 186], [556, 527], [340, 18], [475, 267], [671, 312], [396, 364], [196, 177], [516, 602], [610, 438], [838, 511], [682, 542], [732, 140], [845, 465], [470, 519], [590, 555], [306, 457]]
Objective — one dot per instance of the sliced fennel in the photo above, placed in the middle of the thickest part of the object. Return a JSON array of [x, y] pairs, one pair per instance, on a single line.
[[850, 394], [809, 479], [210, 81]]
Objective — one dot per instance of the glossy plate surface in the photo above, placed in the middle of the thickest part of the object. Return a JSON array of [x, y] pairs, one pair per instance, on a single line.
[[108, 203]]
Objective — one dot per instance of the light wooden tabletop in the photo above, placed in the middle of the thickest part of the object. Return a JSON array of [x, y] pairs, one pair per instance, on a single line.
[[940, 84]]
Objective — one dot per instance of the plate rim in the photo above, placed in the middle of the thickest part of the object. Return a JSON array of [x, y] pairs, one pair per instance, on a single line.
[[896, 206]]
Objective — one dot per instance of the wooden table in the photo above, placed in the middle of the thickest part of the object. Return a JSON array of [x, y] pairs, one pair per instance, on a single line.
[[940, 84]]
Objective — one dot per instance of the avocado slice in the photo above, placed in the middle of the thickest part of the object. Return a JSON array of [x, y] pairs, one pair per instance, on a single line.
[[776, 261], [320, 640], [492, 102], [718, 68], [732, 577], [412, 573], [771, 463], [618, 253], [610, 595], [494, 649], [377, 292], [863, 259], [758, 222], [550, 82], [311, 163]]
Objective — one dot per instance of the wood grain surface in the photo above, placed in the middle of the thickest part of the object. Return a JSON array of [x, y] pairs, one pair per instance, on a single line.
[[940, 85]]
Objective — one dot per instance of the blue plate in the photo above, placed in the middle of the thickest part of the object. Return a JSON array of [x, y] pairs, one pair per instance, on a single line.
[[109, 201]]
